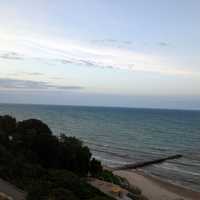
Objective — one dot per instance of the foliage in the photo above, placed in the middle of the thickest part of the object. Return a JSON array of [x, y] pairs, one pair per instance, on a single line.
[[56, 181], [136, 196], [46, 166], [108, 176], [78, 156], [33, 140], [99, 198], [62, 194], [7, 124], [96, 168], [134, 190]]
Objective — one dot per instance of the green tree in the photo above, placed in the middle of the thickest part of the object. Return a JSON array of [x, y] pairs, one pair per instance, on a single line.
[[73, 155], [7, 123], [95, 168]]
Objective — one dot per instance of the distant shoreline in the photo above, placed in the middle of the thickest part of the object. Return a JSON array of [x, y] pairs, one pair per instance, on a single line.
[[157, 189]]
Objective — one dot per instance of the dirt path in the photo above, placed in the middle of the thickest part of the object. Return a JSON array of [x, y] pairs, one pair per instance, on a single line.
[[106, 188], [11, 190]]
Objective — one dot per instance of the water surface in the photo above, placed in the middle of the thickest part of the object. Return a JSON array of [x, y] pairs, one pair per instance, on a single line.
[[119, 136]]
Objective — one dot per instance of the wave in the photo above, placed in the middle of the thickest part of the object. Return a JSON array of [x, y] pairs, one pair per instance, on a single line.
[[129, 151], [111, 162], [172, 167], [111, 153]]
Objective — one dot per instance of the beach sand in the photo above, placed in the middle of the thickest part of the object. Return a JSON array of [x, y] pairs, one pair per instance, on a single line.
[[155, 189]]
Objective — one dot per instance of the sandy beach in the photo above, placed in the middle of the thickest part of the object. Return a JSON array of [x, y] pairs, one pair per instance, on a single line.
[[156, 189]]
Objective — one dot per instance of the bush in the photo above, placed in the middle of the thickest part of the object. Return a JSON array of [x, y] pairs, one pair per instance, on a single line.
[[61, 194], [73, 155], [96, 168], [108, 176], [34, 137], [7, 124], [34, 140], [136, 196], [101, 198], [39, 190], [46, 166], [33, 125], [134, 190], [66, 179], [57, 181]]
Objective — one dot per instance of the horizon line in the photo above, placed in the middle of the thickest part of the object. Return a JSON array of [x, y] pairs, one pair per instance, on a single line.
[[101, 106]]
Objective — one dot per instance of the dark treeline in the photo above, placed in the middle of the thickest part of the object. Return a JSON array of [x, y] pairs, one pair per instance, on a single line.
[[46, 166]]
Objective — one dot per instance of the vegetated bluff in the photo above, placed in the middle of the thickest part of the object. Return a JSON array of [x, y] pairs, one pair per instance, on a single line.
[[44, 165]]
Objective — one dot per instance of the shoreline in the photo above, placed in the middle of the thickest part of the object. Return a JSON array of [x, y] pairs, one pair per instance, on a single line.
[[155, 188], [181, 190]]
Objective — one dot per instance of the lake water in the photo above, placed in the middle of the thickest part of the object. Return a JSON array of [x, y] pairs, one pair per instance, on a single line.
[[120, 136]]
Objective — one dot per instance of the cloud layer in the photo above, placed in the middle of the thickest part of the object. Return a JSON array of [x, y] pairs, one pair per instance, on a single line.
[[11, 56], [15, 84], [54, 51]]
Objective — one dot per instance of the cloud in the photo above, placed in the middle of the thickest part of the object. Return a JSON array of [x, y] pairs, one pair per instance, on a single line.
[[112, 42], [67, 87], [163, 44], [53, 51], [17, 84], [11, 56], [20, 73], [34, 73]]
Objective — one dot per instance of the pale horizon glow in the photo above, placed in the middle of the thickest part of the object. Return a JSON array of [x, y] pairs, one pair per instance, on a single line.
[[89, 56]]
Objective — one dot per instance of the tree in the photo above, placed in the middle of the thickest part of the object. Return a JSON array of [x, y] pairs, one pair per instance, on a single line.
[[45, 166], [35, 140], [95, 167], [7, 127], [73, 155], [7, 124]]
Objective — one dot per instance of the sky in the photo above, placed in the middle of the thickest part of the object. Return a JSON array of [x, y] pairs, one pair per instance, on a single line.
[[101, 52]]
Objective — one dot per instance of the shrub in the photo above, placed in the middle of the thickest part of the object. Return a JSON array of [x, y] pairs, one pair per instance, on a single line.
[[134, 190], [96, 168], [66, 179], [108, 176], [46, 166], [61, 194], [7, 123], [73, 155], [136, 196], [33, 125], [101, 198], [39, 190]]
